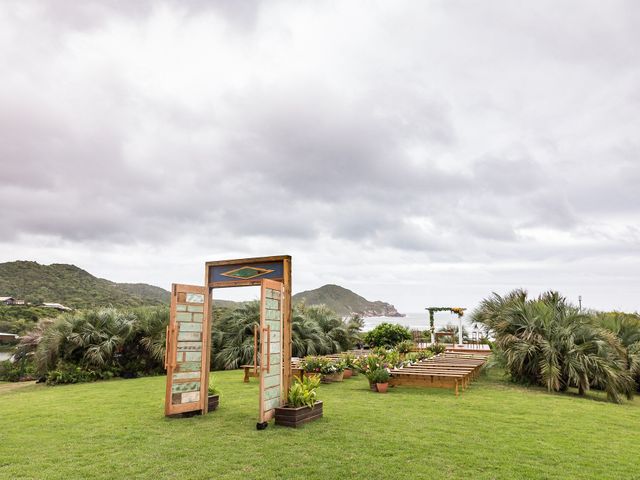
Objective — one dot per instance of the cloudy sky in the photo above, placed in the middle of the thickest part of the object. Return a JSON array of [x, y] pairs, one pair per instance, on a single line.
[[422, 153]]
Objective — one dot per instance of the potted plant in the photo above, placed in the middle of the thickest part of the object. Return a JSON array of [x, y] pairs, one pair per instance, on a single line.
[[302, 406], [350, 369], [213, 397], [404, 347], [368, 364], [379, 377], [311, 365], [332, 371]]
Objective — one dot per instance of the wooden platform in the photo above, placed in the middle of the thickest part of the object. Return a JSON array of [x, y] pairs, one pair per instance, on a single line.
[[448, 370]]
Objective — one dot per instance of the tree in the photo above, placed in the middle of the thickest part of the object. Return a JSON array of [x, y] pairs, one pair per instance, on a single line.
[[549, 342], [387, 335]]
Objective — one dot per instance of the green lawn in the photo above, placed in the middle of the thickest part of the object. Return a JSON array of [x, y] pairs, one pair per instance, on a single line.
[[116, 429]]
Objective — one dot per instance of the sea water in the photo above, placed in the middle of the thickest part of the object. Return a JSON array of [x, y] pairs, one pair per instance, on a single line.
[[418, 321]]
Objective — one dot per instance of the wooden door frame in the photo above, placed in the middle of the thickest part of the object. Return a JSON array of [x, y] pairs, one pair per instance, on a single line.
[[210, 283]]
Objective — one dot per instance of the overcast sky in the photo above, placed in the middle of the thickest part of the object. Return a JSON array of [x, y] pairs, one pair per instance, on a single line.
[[421, 153]]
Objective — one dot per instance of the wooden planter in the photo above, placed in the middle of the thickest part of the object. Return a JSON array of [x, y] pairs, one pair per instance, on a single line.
[[294, 417], [213, 402], [333, 377]]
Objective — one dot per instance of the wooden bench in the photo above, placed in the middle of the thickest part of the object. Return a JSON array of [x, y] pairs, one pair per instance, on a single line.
[[250, 371]]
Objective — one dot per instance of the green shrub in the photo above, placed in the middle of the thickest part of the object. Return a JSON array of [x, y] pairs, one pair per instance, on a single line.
[[379, 375], [212, 388], [303, 392], [16, 371], [405, 346], [437, 348], [66, 372], [387, 335]]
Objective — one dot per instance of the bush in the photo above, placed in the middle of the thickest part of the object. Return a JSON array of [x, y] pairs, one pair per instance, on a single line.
[[405, 346], [379, 375], [16, 371], [70, 373], [387, 335]]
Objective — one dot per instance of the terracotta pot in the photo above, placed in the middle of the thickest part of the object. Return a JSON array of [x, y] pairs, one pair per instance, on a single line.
[[382, 387], [348, 373]]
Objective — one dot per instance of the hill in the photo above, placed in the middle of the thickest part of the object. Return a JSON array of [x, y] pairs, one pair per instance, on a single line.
[[345, 302], [73, 287]]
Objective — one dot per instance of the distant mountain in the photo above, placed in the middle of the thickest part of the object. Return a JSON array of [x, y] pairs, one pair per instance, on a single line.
[[73, 287], [345, 302]]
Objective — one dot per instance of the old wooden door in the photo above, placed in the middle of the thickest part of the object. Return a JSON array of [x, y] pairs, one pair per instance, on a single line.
[[186, 347], [270, 347]]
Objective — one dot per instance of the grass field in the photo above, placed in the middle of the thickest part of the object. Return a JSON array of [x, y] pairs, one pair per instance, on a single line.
[[116, 429]]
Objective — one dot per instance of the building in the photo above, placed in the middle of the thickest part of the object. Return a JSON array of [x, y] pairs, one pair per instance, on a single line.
[[7, 301], [8, 337], [57, 306]]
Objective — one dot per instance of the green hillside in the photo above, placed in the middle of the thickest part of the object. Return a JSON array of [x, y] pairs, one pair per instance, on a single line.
[[73, 287], [345, 302]]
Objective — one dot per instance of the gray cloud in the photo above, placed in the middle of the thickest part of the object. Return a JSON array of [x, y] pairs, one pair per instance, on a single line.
[[439, 133]]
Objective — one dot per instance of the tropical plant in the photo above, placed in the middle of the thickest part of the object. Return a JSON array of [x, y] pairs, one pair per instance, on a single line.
[[548, 341], [232, 339], [405, 346], [212, 389], [303, 392], [379, 375], [311, 364], [387, 335]]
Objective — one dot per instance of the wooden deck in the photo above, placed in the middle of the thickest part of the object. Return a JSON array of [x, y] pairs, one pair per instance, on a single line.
[[448, 370]]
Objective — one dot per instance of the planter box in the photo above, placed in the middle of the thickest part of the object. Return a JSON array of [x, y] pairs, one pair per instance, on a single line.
[[294, 417], [332, 377], [213, 402]]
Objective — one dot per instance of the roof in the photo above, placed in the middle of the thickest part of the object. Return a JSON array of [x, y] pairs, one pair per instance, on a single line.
[[4, 299], [55, 305]]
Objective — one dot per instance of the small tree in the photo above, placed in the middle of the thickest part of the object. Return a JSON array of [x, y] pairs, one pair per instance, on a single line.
[[387, 335]]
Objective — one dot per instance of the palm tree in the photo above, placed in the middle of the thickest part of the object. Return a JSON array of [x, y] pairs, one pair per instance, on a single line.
[[549, 342], [307, 338], [626, 326], [232, 340], [99, 334], [150, 330]]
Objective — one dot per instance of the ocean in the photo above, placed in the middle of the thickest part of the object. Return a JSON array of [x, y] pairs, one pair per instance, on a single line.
[[418, 321]]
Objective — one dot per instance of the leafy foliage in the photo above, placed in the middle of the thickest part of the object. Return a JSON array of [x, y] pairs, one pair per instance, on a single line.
[[303, 392], [379, 375], [314, 331], [96, 344], [405, 346], [549, 342], [21, 319], [387, 335]]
